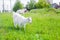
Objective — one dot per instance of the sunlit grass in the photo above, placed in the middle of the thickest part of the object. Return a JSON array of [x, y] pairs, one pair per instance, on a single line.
[[45, 26]]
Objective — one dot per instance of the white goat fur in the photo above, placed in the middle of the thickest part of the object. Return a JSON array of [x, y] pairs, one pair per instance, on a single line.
[[21, 11], [20, 20]]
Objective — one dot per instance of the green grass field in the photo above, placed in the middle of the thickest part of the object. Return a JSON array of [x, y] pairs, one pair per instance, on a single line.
[[45, 26]]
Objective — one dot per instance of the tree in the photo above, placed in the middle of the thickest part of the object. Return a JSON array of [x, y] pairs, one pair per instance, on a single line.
[[3, 5], [30, 5], [42, 4], [17, 6], [10, 3]]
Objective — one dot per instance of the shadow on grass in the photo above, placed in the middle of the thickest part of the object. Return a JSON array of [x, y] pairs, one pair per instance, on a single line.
[[12, 28]]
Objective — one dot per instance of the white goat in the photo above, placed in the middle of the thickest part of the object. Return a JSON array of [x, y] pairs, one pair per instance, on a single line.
[[21, 11], [20, 20]]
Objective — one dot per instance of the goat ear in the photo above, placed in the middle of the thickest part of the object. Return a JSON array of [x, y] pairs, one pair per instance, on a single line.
[[28, 18]]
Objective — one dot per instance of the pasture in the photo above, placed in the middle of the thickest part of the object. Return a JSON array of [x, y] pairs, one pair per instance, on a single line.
[[45, 26]]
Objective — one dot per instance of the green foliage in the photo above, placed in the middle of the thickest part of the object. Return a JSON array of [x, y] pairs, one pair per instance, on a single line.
[[31, 5], [42, 4], [17, 6]]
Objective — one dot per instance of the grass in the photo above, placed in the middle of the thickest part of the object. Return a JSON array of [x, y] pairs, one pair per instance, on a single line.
[[45, 26]]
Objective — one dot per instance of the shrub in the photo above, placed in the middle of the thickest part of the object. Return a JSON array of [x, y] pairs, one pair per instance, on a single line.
[[17, 6], [42, 4], [31, 5]]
